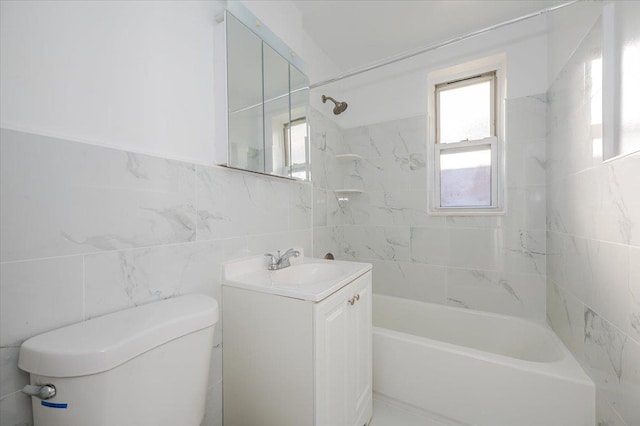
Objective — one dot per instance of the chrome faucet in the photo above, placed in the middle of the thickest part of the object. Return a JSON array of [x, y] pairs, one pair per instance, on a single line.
[[278, 262]]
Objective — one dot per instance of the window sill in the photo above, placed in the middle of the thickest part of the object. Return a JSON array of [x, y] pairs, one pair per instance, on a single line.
[[492, 212]]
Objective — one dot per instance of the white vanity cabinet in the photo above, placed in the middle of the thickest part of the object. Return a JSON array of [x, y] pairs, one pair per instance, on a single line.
[[343, 355], [291, 361]]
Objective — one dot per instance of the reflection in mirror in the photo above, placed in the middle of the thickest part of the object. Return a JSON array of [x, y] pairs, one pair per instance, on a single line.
[[276, 111], [244, 82], [297, 133], [264, 125]]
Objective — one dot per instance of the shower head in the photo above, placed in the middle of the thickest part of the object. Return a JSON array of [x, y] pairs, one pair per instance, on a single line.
[[340, 106]]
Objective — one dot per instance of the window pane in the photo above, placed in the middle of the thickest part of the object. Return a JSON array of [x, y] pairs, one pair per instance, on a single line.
[[465, 113], [298, 142], [465, 178]]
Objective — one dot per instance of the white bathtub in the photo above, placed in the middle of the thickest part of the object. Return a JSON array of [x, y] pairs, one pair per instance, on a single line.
[[477, 368]]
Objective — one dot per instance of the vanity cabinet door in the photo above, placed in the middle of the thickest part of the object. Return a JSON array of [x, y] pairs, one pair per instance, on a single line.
[[362, 350], [343, 356], [334, 400]]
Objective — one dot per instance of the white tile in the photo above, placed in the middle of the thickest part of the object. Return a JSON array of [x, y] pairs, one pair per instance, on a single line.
[[13, 379], [606, 415], [61, 198], [399, 137], [430, 245], [526, 164], [233, 203], [474, 248], [565, 315], [395, 208], [526, 208], [525, 119], [613, 362], [15, 410], [319, 207], [522, 251], [618, 206], [614, 295], [260, 244], [327, 240], [127, 278], [634, 291], [569, 265], [382, 243], [506, 293], [38, 296], [410, 280], [300, 206]]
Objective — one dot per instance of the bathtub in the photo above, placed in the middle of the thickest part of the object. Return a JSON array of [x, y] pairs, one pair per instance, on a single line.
[[476, 368]]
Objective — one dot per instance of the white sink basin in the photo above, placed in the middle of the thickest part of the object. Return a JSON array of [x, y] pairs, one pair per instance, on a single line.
[[307, 273], [307, 278]]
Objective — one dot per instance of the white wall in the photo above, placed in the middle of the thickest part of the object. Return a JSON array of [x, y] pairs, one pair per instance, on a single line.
[[134, 75], [285, 20], [400, 90]]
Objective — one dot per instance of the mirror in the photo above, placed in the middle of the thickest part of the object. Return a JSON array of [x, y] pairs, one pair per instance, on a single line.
[[266, 108], [298, 145], [276, 111], [244, 82]]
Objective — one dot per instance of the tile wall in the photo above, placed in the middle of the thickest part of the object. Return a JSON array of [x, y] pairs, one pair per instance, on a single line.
[[494, 263], [326, 140], [593, 239], [87, 230]]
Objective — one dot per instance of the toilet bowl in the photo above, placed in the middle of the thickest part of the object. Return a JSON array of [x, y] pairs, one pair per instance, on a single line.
[[145, 366]]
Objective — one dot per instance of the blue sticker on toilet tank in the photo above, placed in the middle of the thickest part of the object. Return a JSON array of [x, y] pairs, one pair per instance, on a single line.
[[53, 404]]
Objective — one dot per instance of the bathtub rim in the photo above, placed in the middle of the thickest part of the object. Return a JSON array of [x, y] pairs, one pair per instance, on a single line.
[[566, 367]]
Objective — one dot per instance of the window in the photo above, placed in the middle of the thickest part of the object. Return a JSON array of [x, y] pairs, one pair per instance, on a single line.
[[465, 139], [295, 148]]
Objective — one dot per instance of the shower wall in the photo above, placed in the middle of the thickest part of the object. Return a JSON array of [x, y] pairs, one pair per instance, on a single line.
[[593, 238], [491, 263], [326, 140]]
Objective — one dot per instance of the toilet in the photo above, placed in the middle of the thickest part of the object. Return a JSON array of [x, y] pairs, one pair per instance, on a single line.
[[144, 366]]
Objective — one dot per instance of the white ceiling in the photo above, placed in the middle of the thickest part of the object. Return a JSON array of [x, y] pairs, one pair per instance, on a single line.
[[355, 33]]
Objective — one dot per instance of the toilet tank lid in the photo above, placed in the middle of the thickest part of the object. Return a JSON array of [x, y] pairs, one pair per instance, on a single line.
[[103, 343]]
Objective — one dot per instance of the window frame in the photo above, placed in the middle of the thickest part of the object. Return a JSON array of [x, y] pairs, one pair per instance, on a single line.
[[298, 167], [493, 69]]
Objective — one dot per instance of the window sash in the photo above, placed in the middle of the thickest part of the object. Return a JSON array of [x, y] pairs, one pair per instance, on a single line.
[[467, 146], [439, 88], [287, 139]]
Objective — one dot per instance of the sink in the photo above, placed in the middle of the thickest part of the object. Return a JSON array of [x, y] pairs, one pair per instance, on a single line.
[[307, 278], [307, 273]]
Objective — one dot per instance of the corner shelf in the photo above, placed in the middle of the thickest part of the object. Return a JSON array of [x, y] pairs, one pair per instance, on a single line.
[[348, 157], [348, 191]]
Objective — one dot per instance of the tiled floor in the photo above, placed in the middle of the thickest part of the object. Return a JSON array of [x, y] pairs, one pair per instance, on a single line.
[[390, 413]]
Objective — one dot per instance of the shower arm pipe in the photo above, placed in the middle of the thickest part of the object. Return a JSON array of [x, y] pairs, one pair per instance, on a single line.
[[432, 47]]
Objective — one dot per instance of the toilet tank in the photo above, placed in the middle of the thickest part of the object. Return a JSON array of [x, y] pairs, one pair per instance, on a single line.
[[145, 366]]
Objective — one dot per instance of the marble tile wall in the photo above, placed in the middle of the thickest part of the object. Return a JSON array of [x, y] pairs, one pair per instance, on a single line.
[[326, 142], [593, 239], [87, 230], [494, 263]]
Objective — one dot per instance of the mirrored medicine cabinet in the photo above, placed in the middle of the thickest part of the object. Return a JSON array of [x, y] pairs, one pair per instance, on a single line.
[[261, 121]]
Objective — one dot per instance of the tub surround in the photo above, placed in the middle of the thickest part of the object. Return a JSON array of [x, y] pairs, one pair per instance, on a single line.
[[88, 230], [593, 240], [492, 263]]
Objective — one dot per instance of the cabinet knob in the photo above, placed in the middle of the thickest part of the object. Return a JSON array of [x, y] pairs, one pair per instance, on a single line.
[[352, 301], [357, 296]]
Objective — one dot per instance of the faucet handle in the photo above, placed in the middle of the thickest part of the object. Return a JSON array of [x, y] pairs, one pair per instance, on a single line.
[[273, 260]]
